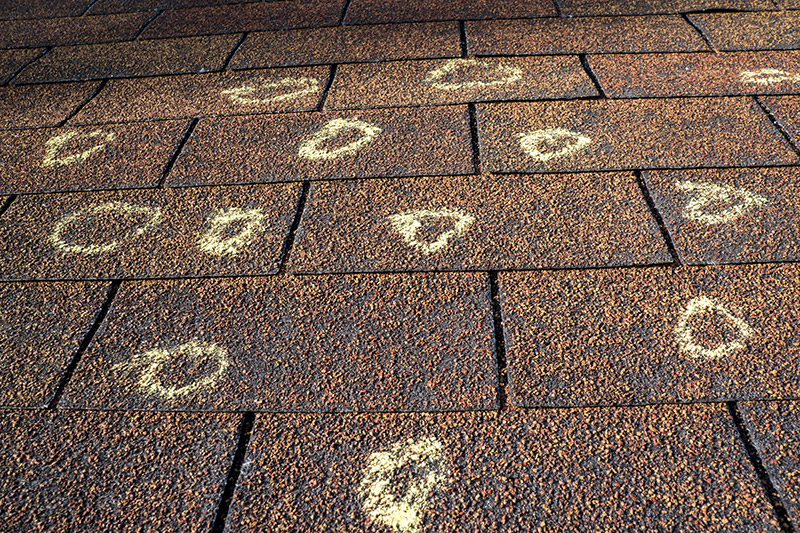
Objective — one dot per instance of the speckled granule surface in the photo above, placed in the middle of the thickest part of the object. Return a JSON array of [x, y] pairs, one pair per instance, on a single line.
[[751, 31], [787, 111], [225, 93], [87, 157], [452, 81], [484, 222], [147, 233], [651, 335], [706, 74], [251, 16], [124, 6], [132, 58], [620, 134], [669, 33], [676, 468], [76, 30], [12, 60], [730, 216], [775, 430], [346, 44], [297, 344], [549, 245], [32, 106], [392, 142], [41, 327], [74, 471], [643, 7], [382, 11], [36, 9]]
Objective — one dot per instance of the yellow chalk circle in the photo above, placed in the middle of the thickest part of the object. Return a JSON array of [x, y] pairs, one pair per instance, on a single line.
[[310, 148], [247, 94], [685, 335], [768, 76], [535, 143], [55, 144], [153, 215], [150, 363], [436, 76], [705, 194], [409, 224], [381, 502], [214, 241]]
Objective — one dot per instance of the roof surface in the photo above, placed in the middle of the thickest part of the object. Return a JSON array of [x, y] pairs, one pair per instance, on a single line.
[[400, 265]]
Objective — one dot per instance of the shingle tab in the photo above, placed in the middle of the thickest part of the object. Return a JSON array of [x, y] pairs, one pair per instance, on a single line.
[[133, 58], [669, 33], [42, 325], [146, 234], [645, 7], [219, 93], [126, 471], [295, 343], [328, 145], [751, 31], [382, 11], [705, 74], [346, 44], [452, 81], [481, 222], [87, 157], [621, 134], [641, 469], [651, 335], [730, 216], [31, 106], [250, 16], [72, 30]]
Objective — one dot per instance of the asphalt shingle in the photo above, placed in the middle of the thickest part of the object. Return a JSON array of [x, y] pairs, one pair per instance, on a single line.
[[132, 58], [32, 106], [42, 326], [623, 134], [328, 145], [644, 7], [704, 74], [147, 233], [751, 31], [476, 222], [219, 93], [774, 428], [87, 157], [669, 33], [125, 471], [651, 335], [382, 11], [346, 44], [452, 81], [643, 469], [73, 30], [732, 215], [288, 343]]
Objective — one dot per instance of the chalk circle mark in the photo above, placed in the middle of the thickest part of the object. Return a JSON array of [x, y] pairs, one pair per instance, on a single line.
[[409, 224], [768, 76], [149, 364], [249, 94], [704, 195], [552, 143], [56, 144], [230, 230], [311, 147], [685, 334], [152, 214], [381, 502], [437, 77]]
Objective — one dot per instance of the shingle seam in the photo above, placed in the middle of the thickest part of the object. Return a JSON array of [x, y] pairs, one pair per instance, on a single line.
[[27, 64], [147, 23], [324, 96], [651, 205], [777, 123], [298, 215], [499, 342], [700, 31], [226, 498], [83, 104], [73, 364], [184, 139], [758, 465]]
